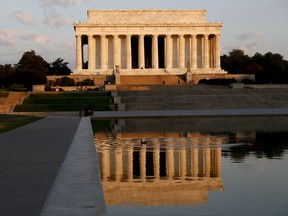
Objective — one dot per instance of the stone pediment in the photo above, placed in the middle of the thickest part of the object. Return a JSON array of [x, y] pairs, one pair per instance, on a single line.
[[153, 16]]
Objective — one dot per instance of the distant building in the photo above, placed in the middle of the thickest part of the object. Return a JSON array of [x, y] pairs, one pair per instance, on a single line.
[[148, 42]]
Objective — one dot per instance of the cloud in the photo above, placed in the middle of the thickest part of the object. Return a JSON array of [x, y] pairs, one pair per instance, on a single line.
[[252, 46], [249, 35], [246, 47], [64, 3], [10, 37], [25, 19], [55, 19]]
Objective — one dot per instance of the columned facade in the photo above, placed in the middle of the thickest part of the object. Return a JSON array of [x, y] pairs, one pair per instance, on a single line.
[[159, 42]]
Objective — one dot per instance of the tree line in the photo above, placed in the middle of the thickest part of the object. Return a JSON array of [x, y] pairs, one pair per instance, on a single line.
[[32, 68], [268, 68]]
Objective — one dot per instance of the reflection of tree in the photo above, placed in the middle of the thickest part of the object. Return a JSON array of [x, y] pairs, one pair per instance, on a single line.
[[269, 145]]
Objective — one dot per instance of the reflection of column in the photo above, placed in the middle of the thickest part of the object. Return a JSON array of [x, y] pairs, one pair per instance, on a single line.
[[128, 52], [181, 52], [130, 164], [118, 164], [103, 52], [168, 52], [143, 163], [219, 162], [105, 165], [141, 52], [183, 162], [116, 45], [194, 52], [207, 161], [206, 51], [217, 52], [195, 161], [91, 52], [79, 52], [155, 63], [156, 161], [170, 160]]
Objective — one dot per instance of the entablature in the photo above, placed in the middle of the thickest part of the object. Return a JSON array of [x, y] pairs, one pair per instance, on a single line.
[[214, 28]]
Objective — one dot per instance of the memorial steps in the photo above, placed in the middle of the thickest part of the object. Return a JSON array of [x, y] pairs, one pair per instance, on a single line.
[[13, 99], [152, 79], [187, 97]]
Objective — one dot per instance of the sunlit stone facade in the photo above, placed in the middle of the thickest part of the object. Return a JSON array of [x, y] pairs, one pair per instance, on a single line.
[[147, 42]]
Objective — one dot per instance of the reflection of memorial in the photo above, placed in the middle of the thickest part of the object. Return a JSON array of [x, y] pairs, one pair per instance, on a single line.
[[171, 170]]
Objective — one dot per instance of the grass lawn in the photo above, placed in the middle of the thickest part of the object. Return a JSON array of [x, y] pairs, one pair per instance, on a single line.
[[72, 101], [10, 122]]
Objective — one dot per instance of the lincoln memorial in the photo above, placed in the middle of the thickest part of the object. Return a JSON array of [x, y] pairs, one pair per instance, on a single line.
[[147, 42]]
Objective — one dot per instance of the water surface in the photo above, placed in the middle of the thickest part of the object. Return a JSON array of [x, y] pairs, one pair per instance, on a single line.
[[194, 166]]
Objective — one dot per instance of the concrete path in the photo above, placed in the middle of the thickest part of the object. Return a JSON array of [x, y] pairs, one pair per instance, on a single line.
[[30, 158], [77, 189]]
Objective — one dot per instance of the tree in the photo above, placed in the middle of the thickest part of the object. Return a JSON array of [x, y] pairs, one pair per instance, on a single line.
[[59, 67], [31, 69], [6, 75], [235, 62]]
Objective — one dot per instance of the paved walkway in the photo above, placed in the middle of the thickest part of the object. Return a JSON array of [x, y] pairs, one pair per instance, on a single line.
[[30, 159]]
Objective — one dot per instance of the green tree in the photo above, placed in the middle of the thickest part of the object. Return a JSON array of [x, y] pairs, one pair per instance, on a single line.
[[6, 75], [31, 69], [235, 62], [59, 67]]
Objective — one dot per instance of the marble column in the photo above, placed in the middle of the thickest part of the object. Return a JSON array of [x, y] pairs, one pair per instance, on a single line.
[[141, 54], [181, 52], [168, 52], [79, 52], [193, 51], [91, 53], [155, 62], [206, 51], [116, 50], [217, 52], [128, 52], [103, 48]]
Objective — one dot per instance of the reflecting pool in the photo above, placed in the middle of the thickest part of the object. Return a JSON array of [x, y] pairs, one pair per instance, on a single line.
[[194, 166]]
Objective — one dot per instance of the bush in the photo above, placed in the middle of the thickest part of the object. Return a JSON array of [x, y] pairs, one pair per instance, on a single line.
[[86, 82], [65, 81], [17, 87], [217, 81]]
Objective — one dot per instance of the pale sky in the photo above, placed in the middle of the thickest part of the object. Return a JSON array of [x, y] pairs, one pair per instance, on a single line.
[[46, 26]]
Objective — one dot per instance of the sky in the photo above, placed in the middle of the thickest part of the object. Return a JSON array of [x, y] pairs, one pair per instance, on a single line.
[[46, 26]]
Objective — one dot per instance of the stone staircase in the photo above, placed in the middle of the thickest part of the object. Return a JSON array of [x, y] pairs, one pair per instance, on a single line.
[[14, 98], [152, 79], [187, 97]]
